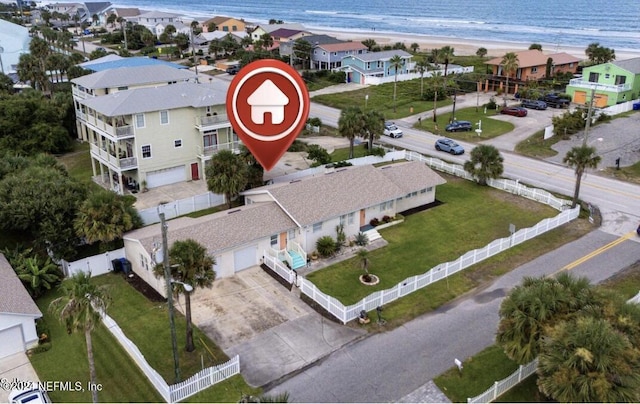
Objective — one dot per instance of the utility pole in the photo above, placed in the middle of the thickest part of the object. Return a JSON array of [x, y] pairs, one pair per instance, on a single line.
[[193, 55], [589, 113], [167, 279]]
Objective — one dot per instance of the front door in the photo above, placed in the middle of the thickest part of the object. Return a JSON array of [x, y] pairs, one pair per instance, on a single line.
[[195, 175], [362, 217], [283, 240]]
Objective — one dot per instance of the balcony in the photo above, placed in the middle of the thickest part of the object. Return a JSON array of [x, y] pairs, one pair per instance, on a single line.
[[212, 122], [120, 131], [118, 164], [207, 151], [581, 83], [81, 94]]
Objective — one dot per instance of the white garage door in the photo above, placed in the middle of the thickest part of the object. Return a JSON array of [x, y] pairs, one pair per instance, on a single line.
[[11, 341], [166, 176], [245, 258]]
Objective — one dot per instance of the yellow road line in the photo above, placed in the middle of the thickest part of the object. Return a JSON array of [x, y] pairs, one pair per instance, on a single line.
[[597, 252]]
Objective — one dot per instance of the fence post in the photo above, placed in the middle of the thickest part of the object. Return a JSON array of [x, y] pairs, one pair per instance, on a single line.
[[495, 390], [520, 374]]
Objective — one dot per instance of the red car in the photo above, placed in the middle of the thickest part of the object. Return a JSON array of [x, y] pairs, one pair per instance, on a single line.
[[515, 111]]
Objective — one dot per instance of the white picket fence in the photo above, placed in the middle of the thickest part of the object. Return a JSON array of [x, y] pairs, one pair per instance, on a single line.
[[506, 384], [173, 393], [276, 265], [181, 207], [96, 265], [519, 375]]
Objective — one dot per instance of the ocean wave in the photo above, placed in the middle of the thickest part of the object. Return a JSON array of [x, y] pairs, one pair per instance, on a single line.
[[321, 12]]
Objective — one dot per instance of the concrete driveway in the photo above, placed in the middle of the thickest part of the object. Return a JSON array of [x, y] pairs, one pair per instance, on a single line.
[[15, 367], [273, 331]]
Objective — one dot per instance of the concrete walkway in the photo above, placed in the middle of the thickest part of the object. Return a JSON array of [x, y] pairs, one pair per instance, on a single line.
[[15, 367]]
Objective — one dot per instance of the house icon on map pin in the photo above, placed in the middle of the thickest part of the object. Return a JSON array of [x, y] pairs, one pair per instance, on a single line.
[[267, 98]]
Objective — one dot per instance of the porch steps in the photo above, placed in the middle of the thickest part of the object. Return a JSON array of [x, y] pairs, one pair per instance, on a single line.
[[372, 235], [298, 261]]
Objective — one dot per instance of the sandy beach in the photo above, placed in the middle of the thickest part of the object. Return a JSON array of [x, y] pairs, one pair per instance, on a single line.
[[462, 46]]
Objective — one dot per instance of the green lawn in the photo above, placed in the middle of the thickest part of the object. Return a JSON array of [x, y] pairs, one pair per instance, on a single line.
[[630, 173], [471, 215], [490, 127], [146, 323], [78, 161], [536, 146], [343, 153], [408, 100]]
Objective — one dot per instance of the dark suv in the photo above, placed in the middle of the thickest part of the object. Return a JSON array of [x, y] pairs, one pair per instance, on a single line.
[[459, 126], [534, 104], [554, 100], [233, 69]]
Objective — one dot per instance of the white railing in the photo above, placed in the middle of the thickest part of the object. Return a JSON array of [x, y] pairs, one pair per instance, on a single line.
[[281, 255], [506, 384], [519, 375], [96, 265], [412, 76], [173, 393], [293, 246], [604, 87], [282, 271], [181, 207], [208, 151], [210, 120]]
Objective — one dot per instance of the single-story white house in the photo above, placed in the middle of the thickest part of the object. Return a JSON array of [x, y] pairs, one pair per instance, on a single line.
[[290, 216], [18, 313]]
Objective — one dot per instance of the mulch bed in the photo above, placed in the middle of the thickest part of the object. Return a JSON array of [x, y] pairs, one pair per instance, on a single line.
[[143, 287]]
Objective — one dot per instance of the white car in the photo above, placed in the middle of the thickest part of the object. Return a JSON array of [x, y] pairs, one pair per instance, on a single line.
[[31, 396], [391, 130]]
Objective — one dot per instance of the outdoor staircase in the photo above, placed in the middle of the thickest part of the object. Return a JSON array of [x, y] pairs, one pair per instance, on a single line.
[[372, 235], [298, 261]]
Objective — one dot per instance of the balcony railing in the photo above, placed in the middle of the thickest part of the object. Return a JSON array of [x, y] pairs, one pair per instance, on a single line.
[[81, 94], [125, 163], [208, 151], [616, 88], [212, 121], [118, 132], [124, 131]]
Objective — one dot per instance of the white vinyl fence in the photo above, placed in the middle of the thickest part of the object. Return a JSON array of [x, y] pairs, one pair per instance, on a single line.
[[619, 108], [519, 375], [276, 266], [96, 265], [181, 207], [173, 393]]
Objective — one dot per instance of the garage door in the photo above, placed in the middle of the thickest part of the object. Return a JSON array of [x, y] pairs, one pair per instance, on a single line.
[[245, 258], [167, 176], [11, 341], [580, 97]]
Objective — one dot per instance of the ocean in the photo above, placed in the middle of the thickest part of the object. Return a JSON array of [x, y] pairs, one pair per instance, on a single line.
[[612, 23]]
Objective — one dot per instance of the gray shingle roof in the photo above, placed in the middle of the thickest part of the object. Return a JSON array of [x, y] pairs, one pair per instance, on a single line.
[[160, 98], [220, 231], [632, 65], [139, 75], [14, 298], [315, 199], [384, 55]]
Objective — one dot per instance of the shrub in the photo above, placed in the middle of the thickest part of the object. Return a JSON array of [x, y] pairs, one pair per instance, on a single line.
[[491, 104], [337, 77], [40, 348], [326, 246], [362, 239], [318, 154], [297, 146], [386, 219], [314, 121], [341, 164], [341, 237], [378, 151], [374, 222]]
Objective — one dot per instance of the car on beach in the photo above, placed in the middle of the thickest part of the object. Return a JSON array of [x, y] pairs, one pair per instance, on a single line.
[[450, 146], [514, 111], [534, 104], [459, 126], [391, 130]]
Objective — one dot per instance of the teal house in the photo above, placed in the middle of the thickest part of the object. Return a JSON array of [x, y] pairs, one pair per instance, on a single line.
[[614, 82], [375, 67]]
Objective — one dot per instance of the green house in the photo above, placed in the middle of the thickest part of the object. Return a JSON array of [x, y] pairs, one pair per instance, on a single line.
[[614, 82]]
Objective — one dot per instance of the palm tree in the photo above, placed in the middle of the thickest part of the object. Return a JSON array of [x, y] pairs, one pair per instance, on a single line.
[[105, 216], [486, 162], [267, 40], [437, 81], [227, 174], [481, 52], [111, 19], [587, 360], [363, 256], [445, 54], [414, 47], [191, 265], [302, 50], [38, 276], [215, 46], [395, 63], [370, 44], [581, 157], [374, 125], [421, 67], [350, 125], [80, 308], [510, 64]]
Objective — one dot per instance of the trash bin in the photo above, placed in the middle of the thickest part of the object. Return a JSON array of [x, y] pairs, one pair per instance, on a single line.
[[636, 106], [116, 264], [126, 266]]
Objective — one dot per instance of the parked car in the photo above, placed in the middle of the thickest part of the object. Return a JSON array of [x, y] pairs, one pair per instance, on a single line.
[[391, 130], [31, 396], [554, 100], [515, 111], [447, 145], [233, 69], [459, 126], [534, 104]]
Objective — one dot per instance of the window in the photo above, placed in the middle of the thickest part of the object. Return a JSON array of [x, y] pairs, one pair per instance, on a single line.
[[177, 143], [225, 29], [291, 235], [146, 151], [620, 80], [386, 205], [139, 120], [534, 69], [593, 77], [324, 53], [607, 76], [423, 191], [123, 88], [415, 193], [570, 64], [429, 189], [164, 117], [274, 240], [317, 227], [343, 220], [210, 139], [351, 218], [234, 28]]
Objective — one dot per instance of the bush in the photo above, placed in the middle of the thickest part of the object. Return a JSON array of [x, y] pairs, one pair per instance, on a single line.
[[318, 154], [362, 239], [337, 77], [297, 146], [341, 164], [314, 121], [491, 104], [326, 246], [378, 151], [374, 222], [386, 219], [40, 348]]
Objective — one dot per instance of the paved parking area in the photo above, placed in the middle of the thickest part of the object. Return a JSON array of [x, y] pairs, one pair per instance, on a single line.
[[15, 367]]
